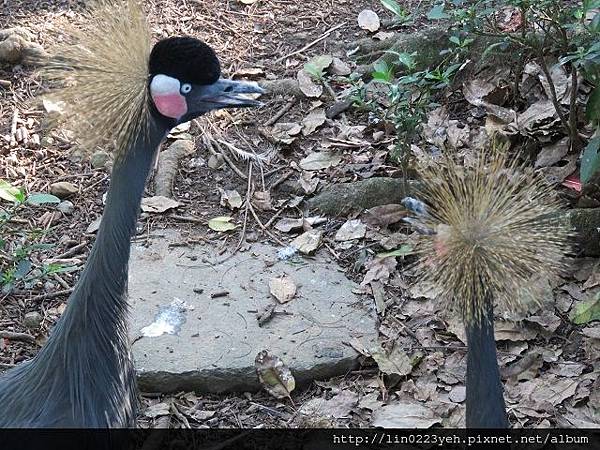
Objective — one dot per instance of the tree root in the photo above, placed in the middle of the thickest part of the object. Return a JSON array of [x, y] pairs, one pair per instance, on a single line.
[[168, 163]]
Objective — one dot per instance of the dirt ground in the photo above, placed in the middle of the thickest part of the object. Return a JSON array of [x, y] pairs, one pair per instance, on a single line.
[[554, 364]]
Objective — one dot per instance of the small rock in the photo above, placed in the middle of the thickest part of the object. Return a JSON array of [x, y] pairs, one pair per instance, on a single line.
[[216, 161], [65, 207], [63, 189], [99, 159], [32, 320], [458, 394], [369, 20], [339, 67]]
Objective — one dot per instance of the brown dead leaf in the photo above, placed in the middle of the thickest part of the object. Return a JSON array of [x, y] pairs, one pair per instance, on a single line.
[[385, 215], [231, 198], [282, 288], [307, 85], [274, 375], [350, 230], [308, 241], [397, 362], [339, 406], [405, 414], [379, 269], [312, 121], [369, 20], [262, 200], [320, 160], [284, 132], [158, 204]]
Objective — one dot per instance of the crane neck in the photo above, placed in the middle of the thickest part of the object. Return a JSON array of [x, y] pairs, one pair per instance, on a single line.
[[485, 400], [101, 288]]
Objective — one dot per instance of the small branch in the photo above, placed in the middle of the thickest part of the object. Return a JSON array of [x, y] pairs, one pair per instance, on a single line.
[[281, 112], [553, 95], [310, 44], [11, 336]]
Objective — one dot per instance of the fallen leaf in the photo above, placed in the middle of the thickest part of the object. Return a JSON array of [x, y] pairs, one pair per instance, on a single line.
[[307, 242], [231, 198], [158, 204], [397, 362], [285, 132], [160, 409], [403, 250], [316, 66], [379, 269], [339, 67], [274, 375], [386, 215], [286, 225], [339, 406], [313, 120], [352, 229], [262, 200], [405, 414], [551, 154], [94, 225], [307, 85], [221, 224], [586, 311], [320, 160], [458, 394], [282, 288], [308, 182], [369, 20]]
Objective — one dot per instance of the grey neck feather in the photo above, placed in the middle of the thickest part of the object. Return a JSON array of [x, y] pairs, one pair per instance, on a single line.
[[83, 376]]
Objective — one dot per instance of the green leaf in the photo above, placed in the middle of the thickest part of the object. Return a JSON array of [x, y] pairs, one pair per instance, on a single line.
[[23, 268], [403, 250], [394, 7], [10, 193], [590, 160], [221, 224], [317, 65], [41, 199], [437, 13], [586, 311], [592, 108]]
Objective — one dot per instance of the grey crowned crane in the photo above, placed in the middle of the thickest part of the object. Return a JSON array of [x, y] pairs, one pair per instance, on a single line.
[[490, 229], [123, 91]]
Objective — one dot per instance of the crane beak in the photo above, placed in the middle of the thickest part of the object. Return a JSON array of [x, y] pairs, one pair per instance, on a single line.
[[222, 94]]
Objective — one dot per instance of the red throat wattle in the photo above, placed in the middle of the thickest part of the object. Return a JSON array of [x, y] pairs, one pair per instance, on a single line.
[[170, 105]]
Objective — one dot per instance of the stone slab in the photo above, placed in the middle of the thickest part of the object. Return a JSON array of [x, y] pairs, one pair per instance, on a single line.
[[214, 340]]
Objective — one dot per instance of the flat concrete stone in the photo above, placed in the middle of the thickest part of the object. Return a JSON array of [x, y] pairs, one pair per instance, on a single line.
[[215, 339]]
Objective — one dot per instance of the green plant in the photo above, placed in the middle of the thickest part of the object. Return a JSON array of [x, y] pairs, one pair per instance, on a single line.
[[18, 246], [401, 15]]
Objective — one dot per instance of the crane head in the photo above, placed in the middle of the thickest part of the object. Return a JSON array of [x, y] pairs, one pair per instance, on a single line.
[[185, 81]]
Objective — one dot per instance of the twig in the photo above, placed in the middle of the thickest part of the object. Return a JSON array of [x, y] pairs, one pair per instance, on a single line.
[[310, 44], [281, 112], [260, 224], [23, 337], [187, 218], [72, 251], [52, 295]]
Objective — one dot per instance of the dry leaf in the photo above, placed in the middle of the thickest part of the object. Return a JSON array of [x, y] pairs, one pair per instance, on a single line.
[[320, 160], [221, 224], [282, 288], [307, 242], [386, 215], [313, 120], [339, 406], [284, 132], [308, 182], [405, 415], [160, 409], [352, 229], [231, 198], [274, 375], [397, 362], [158, 204], [307, 85], [262, 200], [369, 20], [379, 269], [286, 225]]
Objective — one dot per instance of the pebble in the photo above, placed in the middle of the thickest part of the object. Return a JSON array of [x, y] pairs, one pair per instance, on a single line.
[[63, 189], [99, 159], [65, 207], [32, 320]]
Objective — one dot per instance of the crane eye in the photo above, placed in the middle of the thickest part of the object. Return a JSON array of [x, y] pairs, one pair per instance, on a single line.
[[186, 88]]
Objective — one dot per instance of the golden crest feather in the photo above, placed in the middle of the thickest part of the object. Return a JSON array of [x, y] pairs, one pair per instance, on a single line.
[[498, 226], [100, 72]]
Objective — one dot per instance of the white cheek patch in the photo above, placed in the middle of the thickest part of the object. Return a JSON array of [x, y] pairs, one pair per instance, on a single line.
[[166, 96]]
